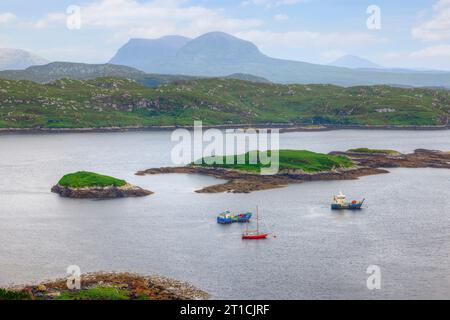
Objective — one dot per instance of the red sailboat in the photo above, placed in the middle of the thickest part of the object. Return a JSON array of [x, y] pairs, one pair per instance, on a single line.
[[254, 234]]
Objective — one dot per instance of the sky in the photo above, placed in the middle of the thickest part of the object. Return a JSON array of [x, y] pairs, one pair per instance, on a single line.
[[405, 34]]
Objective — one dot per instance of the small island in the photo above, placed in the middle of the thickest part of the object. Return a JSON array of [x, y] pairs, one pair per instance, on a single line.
[[89, 185], [297, 166]]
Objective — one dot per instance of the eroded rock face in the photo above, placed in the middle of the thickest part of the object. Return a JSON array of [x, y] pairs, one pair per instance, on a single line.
[[101, 193]]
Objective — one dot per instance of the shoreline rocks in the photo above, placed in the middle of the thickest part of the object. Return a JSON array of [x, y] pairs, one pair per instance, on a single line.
[[243, 182], [132, 286], [110, 192], [284, 128], [365, 165]]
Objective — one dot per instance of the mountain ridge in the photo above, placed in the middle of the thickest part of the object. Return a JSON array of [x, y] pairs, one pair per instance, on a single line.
[[83, 71], [354, 62], [220, 54]]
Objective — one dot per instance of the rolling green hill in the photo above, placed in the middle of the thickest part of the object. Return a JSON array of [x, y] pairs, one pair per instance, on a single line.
[[83, 71], [106, 102]]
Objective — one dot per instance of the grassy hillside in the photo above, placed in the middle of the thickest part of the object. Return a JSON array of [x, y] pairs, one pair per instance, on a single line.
[[84, 179], [106, 102], [82, 71], [288, 159]]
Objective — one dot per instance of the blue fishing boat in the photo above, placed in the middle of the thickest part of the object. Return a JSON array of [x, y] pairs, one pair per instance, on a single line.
[[340, 203], [227, 217], [244, 217]]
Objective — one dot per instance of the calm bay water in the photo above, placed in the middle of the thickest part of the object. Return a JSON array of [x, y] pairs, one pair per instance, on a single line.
[[405, 228]]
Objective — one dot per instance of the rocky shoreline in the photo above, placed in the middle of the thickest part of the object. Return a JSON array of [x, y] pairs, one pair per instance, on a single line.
[[284, 128], [130, 286], [110, 192], [365, 165]]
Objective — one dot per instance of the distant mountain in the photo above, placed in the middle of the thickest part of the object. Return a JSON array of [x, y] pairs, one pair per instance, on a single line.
[[16, 59], [219, 54], [354, 62], [219, 47], [147, 54], [77, 71], [82, 71]]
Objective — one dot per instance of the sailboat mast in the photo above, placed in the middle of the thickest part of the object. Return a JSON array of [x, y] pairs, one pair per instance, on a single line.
[[257, 219], [246, 227]]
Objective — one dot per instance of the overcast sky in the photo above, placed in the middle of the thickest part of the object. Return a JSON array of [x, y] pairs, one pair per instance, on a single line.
[[414, 33]]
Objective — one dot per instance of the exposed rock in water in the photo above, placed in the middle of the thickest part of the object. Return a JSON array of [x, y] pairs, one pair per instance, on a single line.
[[243, 182], [421, 158], [365, 165], [109, 192]]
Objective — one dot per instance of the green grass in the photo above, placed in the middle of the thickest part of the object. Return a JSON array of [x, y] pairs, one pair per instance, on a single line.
[[14, 295], [106, 102], [288, 159], [96, 293], [372, 151], [85, 179]]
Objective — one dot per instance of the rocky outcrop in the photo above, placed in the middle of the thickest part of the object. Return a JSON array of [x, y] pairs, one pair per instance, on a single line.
[[110, 192], [243, 182], [131, 287], [365, 165], [420, 158]]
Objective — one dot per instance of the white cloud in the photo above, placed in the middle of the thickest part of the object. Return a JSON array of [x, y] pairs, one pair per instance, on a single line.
[[50, 19], [301, 39], [7, 17], [332, 55], [438, 51], [433, 52], [287, 2], [438, 28], [433, 57], [155, 18], [74, 53], [271, 3], [281, 17]]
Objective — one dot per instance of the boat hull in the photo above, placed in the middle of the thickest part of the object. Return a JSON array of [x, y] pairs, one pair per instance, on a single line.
[[350, 206], [255, 236], [231, 218]]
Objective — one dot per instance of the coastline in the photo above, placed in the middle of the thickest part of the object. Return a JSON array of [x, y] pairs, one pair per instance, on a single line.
[[365, 164], [284, 128], [132, 286]]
